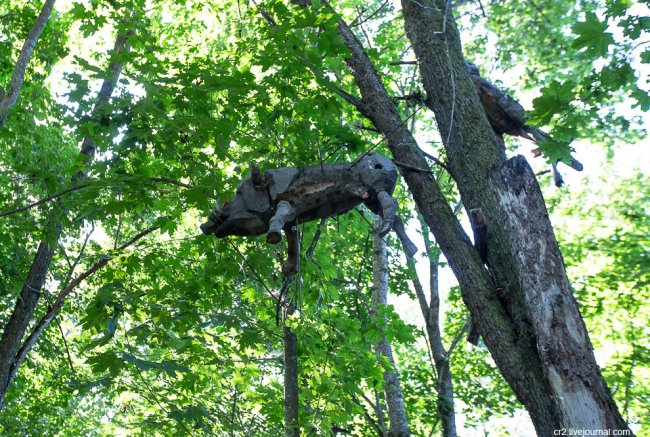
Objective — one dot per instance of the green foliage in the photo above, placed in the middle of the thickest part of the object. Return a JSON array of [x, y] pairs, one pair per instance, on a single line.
[[177, 334]]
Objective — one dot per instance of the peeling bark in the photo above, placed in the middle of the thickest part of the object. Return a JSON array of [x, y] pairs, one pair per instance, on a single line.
[[473, 152], [583, 399]]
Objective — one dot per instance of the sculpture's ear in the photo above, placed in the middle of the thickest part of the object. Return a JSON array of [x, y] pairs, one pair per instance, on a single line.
[[256, 176]]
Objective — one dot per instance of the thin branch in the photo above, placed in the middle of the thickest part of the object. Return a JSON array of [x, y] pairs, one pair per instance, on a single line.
[[257, 276], [88, 184], [368, 417], [410, 167], [367, 128], [67, 349], [45, 200], [60, 300], [456, 339], [347, 96], [312, 247], [369, 17], [8, 101]]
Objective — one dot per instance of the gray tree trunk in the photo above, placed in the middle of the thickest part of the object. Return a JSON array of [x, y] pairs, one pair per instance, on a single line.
[[9, 99], [477, 287], [431, 314], [291, 389], [398, 426], [18, 322], [552, 368]]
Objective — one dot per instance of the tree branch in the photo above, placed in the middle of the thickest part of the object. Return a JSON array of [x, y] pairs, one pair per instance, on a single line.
[[52, 311], [45, 200], [8, 101], [86, 185]]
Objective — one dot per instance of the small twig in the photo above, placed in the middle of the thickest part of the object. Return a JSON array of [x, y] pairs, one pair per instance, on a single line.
[[374, 146], [436, 160], [404, 63], [456, 339], [88, 184], [151, 391], [52, 311], [234, 410], [369, 17], [369, 418], [314, 241], [257, 276], [67, 349], [287, 280], [369, 129], [412, 168]]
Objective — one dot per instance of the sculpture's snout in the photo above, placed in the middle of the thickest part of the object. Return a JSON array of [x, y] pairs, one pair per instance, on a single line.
[[215, 220]]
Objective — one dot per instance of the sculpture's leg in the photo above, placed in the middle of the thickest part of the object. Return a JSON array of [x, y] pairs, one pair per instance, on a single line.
[[388, 210], [575, 164], [557, 177], [292, 264], [284, 213], [410, 249]]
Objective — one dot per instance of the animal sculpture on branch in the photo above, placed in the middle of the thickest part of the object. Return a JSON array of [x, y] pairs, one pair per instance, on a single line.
[[280, 199], [507, 116]]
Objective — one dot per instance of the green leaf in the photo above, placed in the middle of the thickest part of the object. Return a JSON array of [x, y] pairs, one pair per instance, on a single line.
[[169, 367], [592, 35]]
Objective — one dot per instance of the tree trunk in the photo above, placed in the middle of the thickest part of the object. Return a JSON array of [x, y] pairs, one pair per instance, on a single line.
[[26, 303], [291, 406], [9, 99], [431, 314], [398, 426], [575, 381], [478, 289], [529, 273]]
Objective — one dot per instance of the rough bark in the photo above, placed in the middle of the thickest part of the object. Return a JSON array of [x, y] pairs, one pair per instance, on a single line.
[[478, 290], [398, 426], [9, 99], [291, 405], [584, 401], [473, 152], [431, 314], [26, 303]]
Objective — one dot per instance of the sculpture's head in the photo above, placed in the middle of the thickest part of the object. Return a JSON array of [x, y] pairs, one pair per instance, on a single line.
[[216, 219], [473, 69], [378, 172], [247, 213]]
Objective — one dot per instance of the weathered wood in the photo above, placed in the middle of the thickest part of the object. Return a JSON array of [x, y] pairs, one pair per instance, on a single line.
[[562, 340], [507, 116]]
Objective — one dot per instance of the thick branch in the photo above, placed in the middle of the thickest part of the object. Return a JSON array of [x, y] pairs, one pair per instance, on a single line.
[[291, 405], [18, 78], [44, 200]]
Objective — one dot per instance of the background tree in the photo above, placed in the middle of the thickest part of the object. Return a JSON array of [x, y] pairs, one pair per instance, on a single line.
[[177, 333]]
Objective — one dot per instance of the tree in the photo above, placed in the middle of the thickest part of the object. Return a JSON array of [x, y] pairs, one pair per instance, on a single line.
[[173, 332]]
